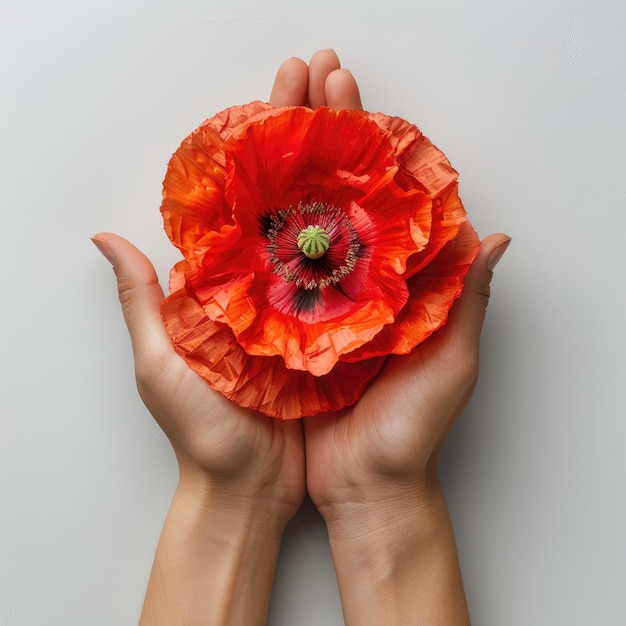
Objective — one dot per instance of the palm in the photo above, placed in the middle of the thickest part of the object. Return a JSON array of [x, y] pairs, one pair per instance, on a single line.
[[242, 451], [397, 428], [226, 441]]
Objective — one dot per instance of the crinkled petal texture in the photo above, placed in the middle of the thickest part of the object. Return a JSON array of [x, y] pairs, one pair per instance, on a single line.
[[272, 325]]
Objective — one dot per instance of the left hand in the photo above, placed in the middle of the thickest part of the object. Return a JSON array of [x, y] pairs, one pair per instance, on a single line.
[[218, 444], [242, 474]]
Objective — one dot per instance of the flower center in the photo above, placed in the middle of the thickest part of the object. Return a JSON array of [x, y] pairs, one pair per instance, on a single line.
[[313, 245], [313, 241]]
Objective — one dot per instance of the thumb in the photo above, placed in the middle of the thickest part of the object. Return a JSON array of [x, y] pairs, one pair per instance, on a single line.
[[139, 292], [468, 313]]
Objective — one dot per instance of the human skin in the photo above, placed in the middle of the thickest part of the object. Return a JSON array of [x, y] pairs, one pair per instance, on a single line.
[[371, 470]]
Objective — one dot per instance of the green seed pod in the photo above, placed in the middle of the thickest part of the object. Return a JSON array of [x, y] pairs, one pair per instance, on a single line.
[[313, 241]]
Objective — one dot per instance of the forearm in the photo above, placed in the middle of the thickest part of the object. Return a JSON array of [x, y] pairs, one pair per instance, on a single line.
[[214, 562], [396, 562]]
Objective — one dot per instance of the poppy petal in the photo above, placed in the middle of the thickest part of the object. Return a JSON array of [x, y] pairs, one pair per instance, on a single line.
[[431, 295], [259, 383], [265, 322]]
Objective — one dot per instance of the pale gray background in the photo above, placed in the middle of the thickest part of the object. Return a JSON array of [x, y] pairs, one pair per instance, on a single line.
[[528, 100]]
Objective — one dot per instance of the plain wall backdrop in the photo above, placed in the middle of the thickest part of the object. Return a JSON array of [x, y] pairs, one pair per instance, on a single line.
[[528, 100]]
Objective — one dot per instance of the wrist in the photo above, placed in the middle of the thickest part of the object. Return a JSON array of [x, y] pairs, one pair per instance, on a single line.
[[235, 506], [379, 512], [380, 499], [396, 560], [215, 560]]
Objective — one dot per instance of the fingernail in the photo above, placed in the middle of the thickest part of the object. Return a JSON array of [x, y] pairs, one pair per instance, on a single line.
[[105, 249], [496, 255]]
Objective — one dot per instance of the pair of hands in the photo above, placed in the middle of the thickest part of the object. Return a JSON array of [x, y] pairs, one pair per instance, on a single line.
[[384, 447]]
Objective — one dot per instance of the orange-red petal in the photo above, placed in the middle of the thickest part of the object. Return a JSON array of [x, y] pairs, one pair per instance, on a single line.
[[260, 383], [240, 314], [431, 295], [193, 205]]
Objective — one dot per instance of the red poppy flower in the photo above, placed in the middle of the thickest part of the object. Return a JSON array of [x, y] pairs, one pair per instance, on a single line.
[[315, 244]]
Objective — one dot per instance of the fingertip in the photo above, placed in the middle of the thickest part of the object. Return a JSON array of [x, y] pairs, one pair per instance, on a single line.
[[342, 90], [500, 246], [467, 315], [119, 251], [322, 63], [326, 56], [291, 83], [490, 252], [100, 241], [134, 271], [139, 292]]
